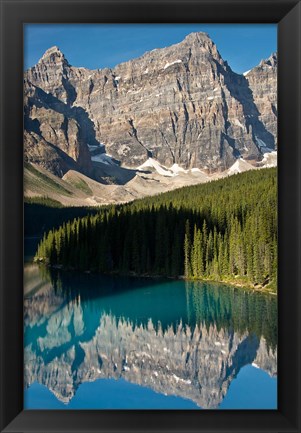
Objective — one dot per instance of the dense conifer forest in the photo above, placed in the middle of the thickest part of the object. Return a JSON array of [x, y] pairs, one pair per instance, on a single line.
[[224, 230]]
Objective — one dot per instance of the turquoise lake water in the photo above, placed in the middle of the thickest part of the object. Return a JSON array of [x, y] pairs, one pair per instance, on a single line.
[[94, 342]]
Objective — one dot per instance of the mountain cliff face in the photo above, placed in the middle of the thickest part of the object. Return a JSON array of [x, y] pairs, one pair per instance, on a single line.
[[263, 83], [179, 105], [56, 135]]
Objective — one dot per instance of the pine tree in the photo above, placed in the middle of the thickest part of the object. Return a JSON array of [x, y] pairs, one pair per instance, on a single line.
[[187, 251], [233, 223]]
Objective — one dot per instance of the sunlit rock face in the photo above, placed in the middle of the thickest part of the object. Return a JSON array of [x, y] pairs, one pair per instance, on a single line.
[[180, 105], [263, 83], [196, 361], [56, 135]]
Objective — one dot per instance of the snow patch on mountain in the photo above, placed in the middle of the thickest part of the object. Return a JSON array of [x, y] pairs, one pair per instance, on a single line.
[[240, 166], [172, 63], [160, 169], [175, 168], [104, 158], [270, 159]]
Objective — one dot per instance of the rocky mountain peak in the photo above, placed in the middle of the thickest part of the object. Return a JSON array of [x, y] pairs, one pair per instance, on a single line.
[[178, 105], [262, 81], [197, 36], [53, 54], [272, 61], [201, 40], [197, 45], [52, 75]]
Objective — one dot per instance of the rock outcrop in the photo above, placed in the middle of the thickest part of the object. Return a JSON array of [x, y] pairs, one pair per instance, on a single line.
[[179, 105], [263, 83]]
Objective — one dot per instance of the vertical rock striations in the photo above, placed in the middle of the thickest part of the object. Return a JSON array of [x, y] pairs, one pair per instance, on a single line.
[[263, 82], [180, 105]]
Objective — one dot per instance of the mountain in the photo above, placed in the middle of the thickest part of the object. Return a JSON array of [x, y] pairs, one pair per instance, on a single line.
[[180, 106], [122, 185], [263, 83]]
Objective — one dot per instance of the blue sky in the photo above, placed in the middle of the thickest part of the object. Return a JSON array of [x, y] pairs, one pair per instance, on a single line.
[[105, 45]]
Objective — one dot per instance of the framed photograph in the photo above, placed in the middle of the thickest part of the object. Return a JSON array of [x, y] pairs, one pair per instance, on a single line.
[[150, 208]]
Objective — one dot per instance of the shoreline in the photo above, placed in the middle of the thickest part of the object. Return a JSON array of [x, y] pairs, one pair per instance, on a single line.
[[245, 286], [239, 284]]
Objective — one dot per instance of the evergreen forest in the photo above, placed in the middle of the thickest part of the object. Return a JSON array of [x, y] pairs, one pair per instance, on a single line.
[[225, 230]]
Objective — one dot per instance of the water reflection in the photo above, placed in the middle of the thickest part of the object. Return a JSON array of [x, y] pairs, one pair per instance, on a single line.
[[182, 339]]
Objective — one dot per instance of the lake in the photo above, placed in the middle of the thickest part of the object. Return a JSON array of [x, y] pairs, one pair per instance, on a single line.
[[96, 342]]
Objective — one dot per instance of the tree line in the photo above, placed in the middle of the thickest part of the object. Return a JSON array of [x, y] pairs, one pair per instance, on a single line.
[[223, 230]]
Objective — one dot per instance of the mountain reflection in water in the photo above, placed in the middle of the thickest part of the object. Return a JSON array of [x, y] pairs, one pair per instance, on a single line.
[[185, 339]]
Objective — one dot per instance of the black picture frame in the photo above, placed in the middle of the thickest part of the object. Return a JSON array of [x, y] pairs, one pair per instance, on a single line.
[[14, 13]]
